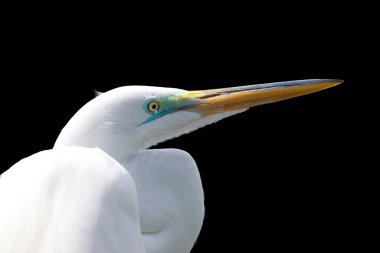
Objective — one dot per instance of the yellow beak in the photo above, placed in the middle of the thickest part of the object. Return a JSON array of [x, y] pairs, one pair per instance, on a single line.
[[216, 101]]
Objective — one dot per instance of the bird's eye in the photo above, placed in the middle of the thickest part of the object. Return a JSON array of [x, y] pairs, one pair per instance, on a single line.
[[153, 106]]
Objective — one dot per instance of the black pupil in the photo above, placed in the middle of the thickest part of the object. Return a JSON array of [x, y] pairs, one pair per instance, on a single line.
[[154, 106]]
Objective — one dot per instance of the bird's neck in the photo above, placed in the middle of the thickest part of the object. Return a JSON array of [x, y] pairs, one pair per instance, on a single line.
[[118, 146], [168, 184], [170, 199]]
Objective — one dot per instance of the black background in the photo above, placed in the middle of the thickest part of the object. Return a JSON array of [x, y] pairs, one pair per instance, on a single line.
[[275, 177]]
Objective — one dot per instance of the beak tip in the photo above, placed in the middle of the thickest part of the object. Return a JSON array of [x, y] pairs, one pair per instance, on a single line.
[[330, 82], [336, 81]]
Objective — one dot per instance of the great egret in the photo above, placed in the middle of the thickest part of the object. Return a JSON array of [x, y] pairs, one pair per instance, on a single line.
[[101, 190]]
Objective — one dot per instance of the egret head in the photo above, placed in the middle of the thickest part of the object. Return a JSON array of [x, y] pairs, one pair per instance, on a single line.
[[127, 119]]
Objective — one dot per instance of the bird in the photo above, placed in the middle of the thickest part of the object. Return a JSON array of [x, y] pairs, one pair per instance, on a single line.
[[102, 188]]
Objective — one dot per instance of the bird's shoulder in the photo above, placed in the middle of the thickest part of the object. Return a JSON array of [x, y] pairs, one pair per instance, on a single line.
[[67, 163], [80, 194]]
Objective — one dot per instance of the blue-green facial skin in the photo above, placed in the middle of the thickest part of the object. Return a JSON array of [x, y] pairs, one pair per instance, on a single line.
[[168, 105]]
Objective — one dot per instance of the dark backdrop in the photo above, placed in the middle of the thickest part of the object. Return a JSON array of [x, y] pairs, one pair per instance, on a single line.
[[274, 177]]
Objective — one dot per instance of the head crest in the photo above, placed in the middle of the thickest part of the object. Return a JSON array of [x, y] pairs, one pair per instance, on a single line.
[[97, 93]]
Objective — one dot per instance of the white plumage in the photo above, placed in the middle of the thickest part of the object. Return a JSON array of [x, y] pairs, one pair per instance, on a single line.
[[100, 190], [69, 200]]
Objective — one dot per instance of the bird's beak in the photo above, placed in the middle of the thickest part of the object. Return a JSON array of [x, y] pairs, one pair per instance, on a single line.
[[209, 102]]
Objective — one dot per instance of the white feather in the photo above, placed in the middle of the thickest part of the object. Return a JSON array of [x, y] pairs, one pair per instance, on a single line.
[[76, 200]]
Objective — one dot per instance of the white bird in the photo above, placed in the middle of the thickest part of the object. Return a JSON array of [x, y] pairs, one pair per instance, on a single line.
[[100, 189]]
